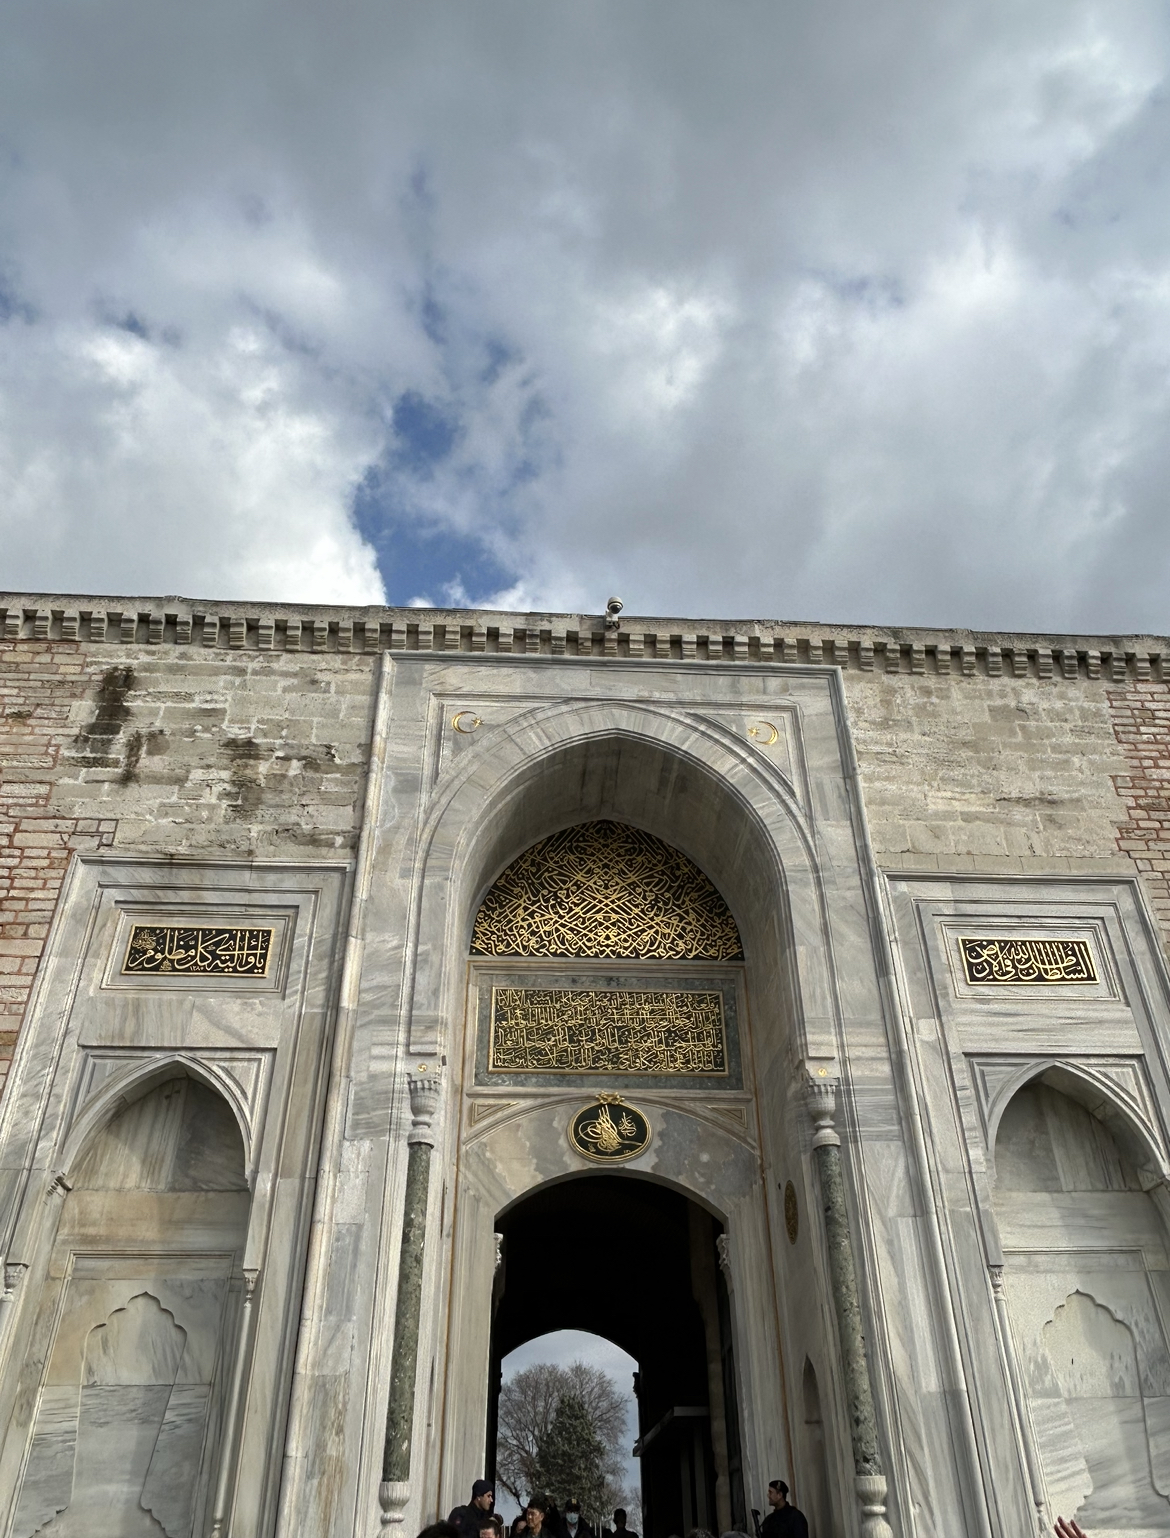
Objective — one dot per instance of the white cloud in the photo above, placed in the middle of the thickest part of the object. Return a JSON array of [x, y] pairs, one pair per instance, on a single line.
[[128, 464], [813, 311]]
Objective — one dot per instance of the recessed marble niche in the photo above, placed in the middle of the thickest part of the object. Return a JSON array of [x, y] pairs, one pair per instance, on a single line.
[[1088, 1281], [136, 1323]]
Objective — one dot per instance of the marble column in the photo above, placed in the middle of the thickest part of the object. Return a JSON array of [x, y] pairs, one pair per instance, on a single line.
[[869, 1475], [231, 1417], [394, 1491], [1019, 1399]]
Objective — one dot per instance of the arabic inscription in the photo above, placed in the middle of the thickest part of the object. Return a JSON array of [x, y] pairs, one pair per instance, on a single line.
[[198, 952], [609, 1130], [1036, 962], [607, 1030]]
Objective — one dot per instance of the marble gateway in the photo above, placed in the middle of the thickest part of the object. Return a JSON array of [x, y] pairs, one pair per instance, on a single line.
[[353, 959]]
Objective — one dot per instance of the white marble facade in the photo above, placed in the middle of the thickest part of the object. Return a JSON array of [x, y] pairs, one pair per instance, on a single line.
[[202, 1186]]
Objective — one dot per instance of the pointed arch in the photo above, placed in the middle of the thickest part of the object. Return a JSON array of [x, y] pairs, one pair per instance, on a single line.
[[1137, 1138], [136, 1080], [692, 783]]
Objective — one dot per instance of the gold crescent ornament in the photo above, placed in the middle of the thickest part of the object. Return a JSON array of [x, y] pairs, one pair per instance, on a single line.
[[760, 728], [460, 723]]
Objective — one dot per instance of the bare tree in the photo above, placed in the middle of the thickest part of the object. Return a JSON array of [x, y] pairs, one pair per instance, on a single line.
[[528, 1404]]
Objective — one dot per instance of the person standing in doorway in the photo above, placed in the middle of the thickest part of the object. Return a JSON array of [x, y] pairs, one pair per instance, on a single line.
[[620, 1530], [784, 1520], [468, 1518]]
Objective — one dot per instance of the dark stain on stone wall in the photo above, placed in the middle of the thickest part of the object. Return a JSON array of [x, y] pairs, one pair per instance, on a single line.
[[95, 741], [152, 742], [269, 780], [247, 775]]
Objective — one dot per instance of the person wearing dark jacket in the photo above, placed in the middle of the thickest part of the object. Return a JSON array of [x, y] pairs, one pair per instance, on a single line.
[[573, 1524], [783, 1521], [467, 1518], [537, 1512]]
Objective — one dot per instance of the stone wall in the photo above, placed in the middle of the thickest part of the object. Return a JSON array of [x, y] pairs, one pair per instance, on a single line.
[[991, 774], [165, 752], [160, 726]]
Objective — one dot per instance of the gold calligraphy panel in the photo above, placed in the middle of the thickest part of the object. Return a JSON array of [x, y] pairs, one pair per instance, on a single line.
[[195, 951], [607, 1030], [1041, 962], [604, 889]]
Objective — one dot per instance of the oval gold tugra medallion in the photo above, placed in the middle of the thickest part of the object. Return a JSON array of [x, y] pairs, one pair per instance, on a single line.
[[608, 1130]]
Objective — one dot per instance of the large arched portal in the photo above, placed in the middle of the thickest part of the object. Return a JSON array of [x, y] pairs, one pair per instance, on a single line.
[[637, 1263], [610, 1175]]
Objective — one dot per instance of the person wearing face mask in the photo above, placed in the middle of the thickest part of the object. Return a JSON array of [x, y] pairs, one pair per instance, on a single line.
[[573, 1524]]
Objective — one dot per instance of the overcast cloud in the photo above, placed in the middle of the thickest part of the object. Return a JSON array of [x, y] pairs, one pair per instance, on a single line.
[[816, 310]]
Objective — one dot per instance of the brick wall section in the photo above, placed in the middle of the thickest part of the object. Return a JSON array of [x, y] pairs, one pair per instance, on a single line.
[[1141, 721], [174, 752], [40, 683]]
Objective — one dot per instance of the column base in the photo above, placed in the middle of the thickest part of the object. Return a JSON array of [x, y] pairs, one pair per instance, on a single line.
[[393, 1495], [871, 1497]]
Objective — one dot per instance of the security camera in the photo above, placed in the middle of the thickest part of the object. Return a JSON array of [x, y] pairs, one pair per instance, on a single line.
[[612, 609]]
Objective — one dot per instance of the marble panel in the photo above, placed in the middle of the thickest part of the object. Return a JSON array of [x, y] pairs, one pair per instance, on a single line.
[[164, 1208]]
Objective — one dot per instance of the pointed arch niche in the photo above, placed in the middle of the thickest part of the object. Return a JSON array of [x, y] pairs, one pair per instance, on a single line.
[[1087, 1275], [138, 1317], [622, 908]]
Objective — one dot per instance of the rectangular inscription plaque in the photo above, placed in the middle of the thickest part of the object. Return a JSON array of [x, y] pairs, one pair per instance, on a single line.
[[198, 952], [606, 1030], [1040, 962]]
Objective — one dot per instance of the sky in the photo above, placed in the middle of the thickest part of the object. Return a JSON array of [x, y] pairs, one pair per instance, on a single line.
[[563, 1347], [818, 310]]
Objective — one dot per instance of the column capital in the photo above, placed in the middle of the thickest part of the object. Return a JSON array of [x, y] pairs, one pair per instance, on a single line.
[[821, 1082], [425, 1088]]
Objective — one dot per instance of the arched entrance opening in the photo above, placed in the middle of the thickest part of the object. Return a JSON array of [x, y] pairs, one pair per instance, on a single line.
[[546, 1383], [638, 1263]]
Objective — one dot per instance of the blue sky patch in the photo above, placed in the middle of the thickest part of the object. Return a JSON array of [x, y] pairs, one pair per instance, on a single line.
[[416, 560]]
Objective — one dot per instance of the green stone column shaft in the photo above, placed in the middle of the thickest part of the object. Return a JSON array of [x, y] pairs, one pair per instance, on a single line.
[[394, 1490], [869, 1480], [400, 1409], [843, 1276]]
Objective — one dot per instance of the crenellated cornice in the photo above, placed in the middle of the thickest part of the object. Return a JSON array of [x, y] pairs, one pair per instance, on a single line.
[[316, 628]]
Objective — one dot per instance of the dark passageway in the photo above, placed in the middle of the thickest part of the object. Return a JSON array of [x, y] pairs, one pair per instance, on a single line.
[[636, 1262]]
